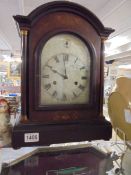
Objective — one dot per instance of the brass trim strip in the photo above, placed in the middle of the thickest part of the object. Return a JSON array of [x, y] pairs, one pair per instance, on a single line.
[[24, 32]]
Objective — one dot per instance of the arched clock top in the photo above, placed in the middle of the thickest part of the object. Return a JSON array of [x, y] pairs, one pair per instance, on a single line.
[[25, 22]]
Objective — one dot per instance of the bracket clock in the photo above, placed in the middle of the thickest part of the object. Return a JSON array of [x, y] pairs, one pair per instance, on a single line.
[[62, 76]]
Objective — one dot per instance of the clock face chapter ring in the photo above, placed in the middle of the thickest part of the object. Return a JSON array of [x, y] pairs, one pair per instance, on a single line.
[[64, 71]]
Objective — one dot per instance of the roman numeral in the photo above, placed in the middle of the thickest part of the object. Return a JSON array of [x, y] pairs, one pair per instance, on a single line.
[[64, 98], [75, 95], [84, 78], [81, 87], [47, 86], [56, 59], [45, 76], [83, 67], [54, 94], [75, 60]]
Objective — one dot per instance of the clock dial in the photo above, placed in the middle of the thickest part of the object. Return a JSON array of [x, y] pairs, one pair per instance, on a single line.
[[65, 71]]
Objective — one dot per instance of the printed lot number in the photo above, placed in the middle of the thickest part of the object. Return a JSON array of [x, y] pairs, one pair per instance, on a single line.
[[31, 137]]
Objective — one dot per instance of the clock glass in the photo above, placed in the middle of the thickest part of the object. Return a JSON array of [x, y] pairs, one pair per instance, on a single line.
[[64, 71]]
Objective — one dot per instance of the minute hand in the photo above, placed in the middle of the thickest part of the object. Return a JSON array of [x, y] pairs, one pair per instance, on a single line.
[[55, 71], [65, 68]]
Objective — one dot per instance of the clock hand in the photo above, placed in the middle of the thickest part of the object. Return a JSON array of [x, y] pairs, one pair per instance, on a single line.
[[65, 68], [55, 71], [65, 58], [75, 60]]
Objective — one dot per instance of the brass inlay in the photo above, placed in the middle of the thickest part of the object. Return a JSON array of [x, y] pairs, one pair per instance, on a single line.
[[24, 32], [66, 116]]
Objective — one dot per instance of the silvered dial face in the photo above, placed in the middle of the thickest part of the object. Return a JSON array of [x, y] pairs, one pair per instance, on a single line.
[[65, 71]]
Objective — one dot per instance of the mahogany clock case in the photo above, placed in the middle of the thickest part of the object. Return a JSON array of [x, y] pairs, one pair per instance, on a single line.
[[47, 21]]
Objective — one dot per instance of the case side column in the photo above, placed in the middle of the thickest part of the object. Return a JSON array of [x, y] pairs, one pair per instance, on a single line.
[[102, 76], [24, 75]]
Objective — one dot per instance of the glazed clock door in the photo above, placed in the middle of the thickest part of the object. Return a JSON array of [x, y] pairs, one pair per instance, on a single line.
[[64, 71], [63, 91]]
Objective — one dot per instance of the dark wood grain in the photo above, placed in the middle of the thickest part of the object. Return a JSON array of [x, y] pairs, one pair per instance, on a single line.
[[62, 133]]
